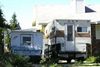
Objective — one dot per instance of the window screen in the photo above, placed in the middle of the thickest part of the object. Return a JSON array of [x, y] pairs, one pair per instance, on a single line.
[[27, 40], [81, 29]]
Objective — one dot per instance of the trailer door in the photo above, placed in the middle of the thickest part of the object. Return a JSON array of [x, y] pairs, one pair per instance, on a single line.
[[69, 37]]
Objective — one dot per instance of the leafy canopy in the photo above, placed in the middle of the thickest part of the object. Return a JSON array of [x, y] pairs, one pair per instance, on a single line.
[[14, 24]]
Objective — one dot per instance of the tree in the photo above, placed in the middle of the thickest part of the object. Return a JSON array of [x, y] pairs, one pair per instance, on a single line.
[[2, 20], [3, 26], [14, 24], [7, 40]]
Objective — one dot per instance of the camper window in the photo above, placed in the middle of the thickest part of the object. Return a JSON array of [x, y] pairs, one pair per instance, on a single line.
[[70, 33], [27, 40], [81, 29]]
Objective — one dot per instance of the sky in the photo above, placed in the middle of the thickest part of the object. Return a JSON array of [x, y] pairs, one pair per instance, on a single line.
[[24, 9]]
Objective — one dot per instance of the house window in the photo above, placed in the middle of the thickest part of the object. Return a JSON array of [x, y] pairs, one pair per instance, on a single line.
[[81, 29], [26, 40]]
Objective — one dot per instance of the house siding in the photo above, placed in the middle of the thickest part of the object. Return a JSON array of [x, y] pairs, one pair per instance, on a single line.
[[95, 42], [18, 46]]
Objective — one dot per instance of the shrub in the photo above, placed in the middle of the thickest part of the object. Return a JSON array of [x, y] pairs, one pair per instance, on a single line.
[[12, 60], [91, 59], [20, 61], [98, 59]]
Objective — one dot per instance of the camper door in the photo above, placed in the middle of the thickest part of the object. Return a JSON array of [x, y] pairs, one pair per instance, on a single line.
[[69, 37]]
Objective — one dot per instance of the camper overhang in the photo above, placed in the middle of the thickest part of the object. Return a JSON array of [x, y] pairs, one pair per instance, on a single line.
[[95, 22]]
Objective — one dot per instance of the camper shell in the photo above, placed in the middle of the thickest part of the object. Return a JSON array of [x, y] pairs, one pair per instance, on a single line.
[[69, 37], [27, 42]]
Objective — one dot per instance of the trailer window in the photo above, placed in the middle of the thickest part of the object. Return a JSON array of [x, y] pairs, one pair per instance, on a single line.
[[27, 40], [81, 29]]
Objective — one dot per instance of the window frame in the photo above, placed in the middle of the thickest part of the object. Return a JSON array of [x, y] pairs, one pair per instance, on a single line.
[[26, 35], [82, 31]]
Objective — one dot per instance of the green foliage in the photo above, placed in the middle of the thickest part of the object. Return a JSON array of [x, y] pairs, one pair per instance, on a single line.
[[3, 25], [7, 40], [2, 20], [1, 36], [14, 23], [20, 61], [97, 59], [91, 59], [53, 65], [11, 60]]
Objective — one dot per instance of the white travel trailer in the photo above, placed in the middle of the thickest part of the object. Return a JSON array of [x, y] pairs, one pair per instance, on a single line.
[[27, 42], [70, 37]]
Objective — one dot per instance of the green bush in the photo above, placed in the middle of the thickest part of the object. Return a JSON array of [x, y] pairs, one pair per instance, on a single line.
[[98, 59], [20, 61], [91, 59], [12, 60], [53, 65]]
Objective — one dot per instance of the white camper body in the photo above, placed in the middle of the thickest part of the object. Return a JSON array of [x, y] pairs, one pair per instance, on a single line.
[[27, 42], [72, 35]]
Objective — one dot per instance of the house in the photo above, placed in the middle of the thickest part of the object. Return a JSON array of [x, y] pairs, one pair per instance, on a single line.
[[77, 10], [28, 42]]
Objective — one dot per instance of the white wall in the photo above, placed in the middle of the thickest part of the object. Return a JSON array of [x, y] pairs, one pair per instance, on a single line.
[[79, 41], [78, 6], [82, 23], [33, 49], [15, 39], [83, 40], [37, 39]]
